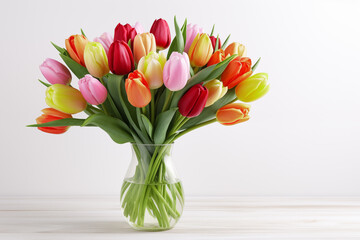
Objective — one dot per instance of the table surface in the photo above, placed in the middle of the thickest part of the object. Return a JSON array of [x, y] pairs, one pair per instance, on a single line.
[[68, 218]]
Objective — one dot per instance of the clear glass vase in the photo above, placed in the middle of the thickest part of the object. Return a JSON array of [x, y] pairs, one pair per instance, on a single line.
[[152, 197]]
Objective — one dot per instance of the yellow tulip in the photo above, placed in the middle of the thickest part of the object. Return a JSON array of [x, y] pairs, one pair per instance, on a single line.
[[200, 50], [152, 66], [65, 99], [216, 91], [253, 87], [95, 59]]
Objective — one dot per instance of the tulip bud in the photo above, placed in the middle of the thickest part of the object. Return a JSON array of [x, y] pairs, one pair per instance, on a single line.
[[253, 87], [191, 32], [75, 45], [143, 44], [236, 48], [161, 31], [55, 72], [213, 42], [125, 33], [121, 60], [152, 66], [233, 113], [216, 91], [65, 99], [92, 90], [49, 115], [200, 50], [236, 71], [137, 89], [138, 28], [217, 57], [193, 101], [176, 71], [96, 60], [106, 40]]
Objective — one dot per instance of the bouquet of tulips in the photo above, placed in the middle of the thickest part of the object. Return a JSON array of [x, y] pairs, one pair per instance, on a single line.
[[136, 92]]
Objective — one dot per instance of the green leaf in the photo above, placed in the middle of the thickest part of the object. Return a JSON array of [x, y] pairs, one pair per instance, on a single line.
[[44, 83], [226, 41], [212, 30], [206, 74], [162, 124], [210, 112], [147, 124], [217, 43], [76, 68], [256, 64], [179, 37], [183, 30], [60, 123], [117, 129], [113, 83], [82, 32], [60, 49]]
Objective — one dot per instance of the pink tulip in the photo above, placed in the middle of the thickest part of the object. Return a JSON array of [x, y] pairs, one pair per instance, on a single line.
[[139, 29], [191, 32], [55, 72], [176, 71], [106, 40], [92, 90]]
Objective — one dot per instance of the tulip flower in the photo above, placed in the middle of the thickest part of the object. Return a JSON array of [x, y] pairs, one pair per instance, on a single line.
[[233, 113], [106, 40], [176, 71], [96, 60], [152, 66], [213, 42], [125, 33], [217, 57], [49, 115], [75, 45], [143, 44], [137, 89], [200, 50], [216, 91], [236, 71], [236, 48], [191, 32], [92, 90], [139, 29], [121, 60], [65, 99], [253, 87], [161, 31], [193, 101], [55, 72]]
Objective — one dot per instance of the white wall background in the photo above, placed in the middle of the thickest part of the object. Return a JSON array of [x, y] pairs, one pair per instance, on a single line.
[[303, 138]]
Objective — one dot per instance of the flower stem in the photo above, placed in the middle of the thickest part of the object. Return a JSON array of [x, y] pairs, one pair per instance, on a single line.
[[194, 127], [167, 101]]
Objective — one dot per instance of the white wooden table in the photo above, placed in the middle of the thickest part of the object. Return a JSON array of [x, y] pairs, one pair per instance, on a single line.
[[68, 218]]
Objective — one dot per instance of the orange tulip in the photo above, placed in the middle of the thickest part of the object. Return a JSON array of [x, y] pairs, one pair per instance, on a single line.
[[49, 115], [137, 89], [217, 57], [75, 45], [238, 70], [236, 48], [143, 44], [233, 113]]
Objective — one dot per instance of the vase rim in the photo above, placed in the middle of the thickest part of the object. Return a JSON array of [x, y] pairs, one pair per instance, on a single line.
[[151, 144]]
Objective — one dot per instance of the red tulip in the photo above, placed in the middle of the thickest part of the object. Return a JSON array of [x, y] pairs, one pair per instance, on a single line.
[[213, 42], [125, 33], [161, 31], [121, 60], [193, 101], [49, 115]]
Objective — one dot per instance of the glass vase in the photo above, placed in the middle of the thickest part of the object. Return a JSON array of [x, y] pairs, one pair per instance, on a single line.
[[152, 197]]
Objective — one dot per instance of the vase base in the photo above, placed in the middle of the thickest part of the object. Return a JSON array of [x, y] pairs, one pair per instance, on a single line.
[[150, 228]]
